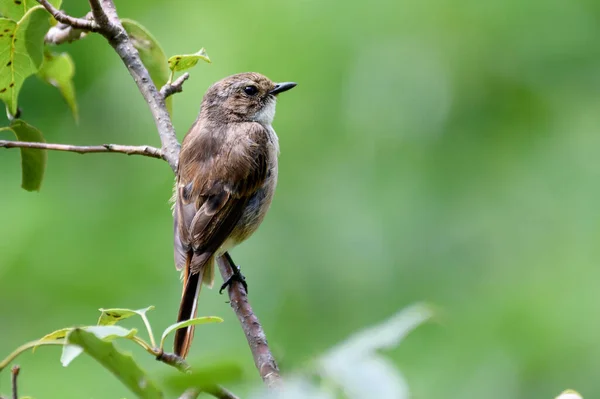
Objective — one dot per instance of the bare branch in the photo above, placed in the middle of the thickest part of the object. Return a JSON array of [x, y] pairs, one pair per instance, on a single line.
[[61, 16], [15, 373], [117, 37], [173, 360], [106, 25], [123, 149], [176, 87], [257, 340]]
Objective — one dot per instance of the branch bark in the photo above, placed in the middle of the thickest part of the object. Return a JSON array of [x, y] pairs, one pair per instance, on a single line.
[[144, 150], [14, 374], [77, 23], [255, 335], [176, 87], [105, 14]]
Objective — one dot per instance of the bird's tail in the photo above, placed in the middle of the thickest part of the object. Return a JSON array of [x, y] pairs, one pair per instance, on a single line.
[[188, 308]]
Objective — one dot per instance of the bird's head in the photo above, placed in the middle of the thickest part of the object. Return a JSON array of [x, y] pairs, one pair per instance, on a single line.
[[244, 97]]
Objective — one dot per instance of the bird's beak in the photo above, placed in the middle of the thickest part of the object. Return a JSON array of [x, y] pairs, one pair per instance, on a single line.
[[281, 87]]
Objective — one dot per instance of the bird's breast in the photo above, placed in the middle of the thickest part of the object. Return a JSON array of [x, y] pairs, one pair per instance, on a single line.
[[259, 203]]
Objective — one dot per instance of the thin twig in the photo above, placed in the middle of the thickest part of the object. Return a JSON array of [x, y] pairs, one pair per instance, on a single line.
[[144, 150], [15, 373], [60, 16], [117, 37], [176, 87], [172, 360], [257, 340], [29, 345]]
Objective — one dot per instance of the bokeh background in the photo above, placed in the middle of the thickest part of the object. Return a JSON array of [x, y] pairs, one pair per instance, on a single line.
[[438, 151]]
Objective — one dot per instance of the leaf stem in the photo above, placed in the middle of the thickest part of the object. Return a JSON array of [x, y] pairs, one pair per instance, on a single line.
[[147, 347], [149, 328], [25, 347]]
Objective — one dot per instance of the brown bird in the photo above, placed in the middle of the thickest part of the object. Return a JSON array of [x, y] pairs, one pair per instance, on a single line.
[[225, 182]]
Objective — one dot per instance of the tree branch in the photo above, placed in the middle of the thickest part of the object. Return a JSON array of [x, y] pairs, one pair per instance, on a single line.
[[257, 339], [61, 16], [105, 14], [123, 149], [176, 87], [173, 360]]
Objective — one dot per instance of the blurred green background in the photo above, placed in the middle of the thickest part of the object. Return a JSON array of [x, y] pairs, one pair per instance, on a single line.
[[439, 151]]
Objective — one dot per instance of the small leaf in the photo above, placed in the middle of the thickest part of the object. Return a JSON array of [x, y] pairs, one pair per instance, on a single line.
[[16, 9], [58, 334], [108, 317], [21, 52], [120, 364], [69, 353], [104, 333], [151, 53], [58, 70], [190, 322], [33, 161], [108, 333], [187, 61]]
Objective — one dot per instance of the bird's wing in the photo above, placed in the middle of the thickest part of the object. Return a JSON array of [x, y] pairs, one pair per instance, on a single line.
[[214, 185]]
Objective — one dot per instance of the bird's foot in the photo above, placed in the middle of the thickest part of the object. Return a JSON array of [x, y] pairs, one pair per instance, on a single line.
[[236, 276]]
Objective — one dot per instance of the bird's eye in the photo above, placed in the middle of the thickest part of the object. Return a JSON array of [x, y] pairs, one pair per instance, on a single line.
[[250, 90]]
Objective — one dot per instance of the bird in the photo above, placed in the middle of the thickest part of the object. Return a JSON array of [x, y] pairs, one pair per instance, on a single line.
[[226, 178]]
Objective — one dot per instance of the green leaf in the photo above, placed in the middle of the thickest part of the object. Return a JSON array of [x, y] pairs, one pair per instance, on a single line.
[[21, 52], [109, 333], [190, 322], [151, 53], [104, 333], [108, 317], [120, 364], [69, 353], [53, 336], [33, 161], [187, 61], [15, 9], [58, 70]]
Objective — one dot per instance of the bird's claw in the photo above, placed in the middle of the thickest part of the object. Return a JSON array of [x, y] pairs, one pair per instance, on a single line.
[[236, 276]]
